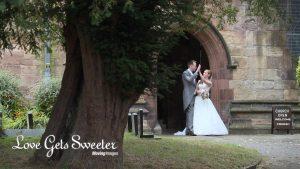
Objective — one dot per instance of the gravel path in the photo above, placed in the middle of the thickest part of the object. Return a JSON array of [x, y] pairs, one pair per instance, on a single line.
[[282, 151]]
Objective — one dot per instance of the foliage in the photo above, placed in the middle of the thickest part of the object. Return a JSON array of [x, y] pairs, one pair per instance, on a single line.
[[126, 34], [298, 71], [134, 33], [24, 24], [268, 10], [19, 122], [11, 98], [40, 120], [46, 94], [166, 78]]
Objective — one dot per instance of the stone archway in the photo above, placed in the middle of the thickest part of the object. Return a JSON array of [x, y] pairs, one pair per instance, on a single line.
[[215, 56], [221, 66], [170, 106]]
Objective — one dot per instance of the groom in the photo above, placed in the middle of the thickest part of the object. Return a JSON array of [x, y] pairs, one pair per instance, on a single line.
[[189, 86]]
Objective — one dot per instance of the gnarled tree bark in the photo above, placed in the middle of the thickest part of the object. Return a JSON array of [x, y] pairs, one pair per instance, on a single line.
[[87, 106]]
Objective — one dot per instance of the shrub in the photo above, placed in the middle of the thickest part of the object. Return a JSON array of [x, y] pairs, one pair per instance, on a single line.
[[40, 120], [18, 122], [11, 98], [298, 71], [46, 94]]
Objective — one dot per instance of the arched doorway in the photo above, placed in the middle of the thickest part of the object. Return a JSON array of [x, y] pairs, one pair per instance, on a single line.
[[214, 55], [170, 108]]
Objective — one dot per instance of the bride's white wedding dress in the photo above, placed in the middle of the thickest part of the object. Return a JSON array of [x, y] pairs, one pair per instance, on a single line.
[[206, 119]]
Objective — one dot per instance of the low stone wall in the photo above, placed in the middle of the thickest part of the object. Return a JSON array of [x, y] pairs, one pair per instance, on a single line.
[[255, 117], [24, 132]]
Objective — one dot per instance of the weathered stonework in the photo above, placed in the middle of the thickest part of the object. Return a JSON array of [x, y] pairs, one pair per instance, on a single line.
[[29, 68], [265, 71]]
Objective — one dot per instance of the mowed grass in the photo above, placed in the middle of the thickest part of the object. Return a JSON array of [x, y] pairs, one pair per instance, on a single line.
[[180, 152], [165, 153], [11, 159]]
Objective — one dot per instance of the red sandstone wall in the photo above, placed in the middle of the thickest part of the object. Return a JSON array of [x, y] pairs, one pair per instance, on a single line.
[[29, 68]]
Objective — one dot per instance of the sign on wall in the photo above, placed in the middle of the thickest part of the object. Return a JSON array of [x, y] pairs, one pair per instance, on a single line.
[[281, 118]]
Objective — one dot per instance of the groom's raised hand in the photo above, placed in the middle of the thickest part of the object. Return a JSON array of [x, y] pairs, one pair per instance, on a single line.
[[198, 69]]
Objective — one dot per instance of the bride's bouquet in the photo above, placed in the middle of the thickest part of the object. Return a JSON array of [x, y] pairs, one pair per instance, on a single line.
[[204, 94]]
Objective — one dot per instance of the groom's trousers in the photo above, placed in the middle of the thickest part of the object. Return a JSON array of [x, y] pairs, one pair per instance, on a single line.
[[189, 116]]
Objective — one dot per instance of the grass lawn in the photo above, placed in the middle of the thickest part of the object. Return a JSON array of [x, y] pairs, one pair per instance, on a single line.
[[167, 152]]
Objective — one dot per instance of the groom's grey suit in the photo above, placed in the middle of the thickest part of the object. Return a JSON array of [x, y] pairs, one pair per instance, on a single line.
[[189, 86]]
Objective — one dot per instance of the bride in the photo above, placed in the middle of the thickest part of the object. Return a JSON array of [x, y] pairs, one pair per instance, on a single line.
[[206, 119]]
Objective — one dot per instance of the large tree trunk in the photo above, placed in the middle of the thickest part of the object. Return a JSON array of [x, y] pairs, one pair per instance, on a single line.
[[87, 106]]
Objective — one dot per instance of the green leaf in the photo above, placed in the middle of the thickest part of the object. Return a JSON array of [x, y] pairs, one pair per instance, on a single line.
[[128, 6], [16, 2], [2, 6]]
